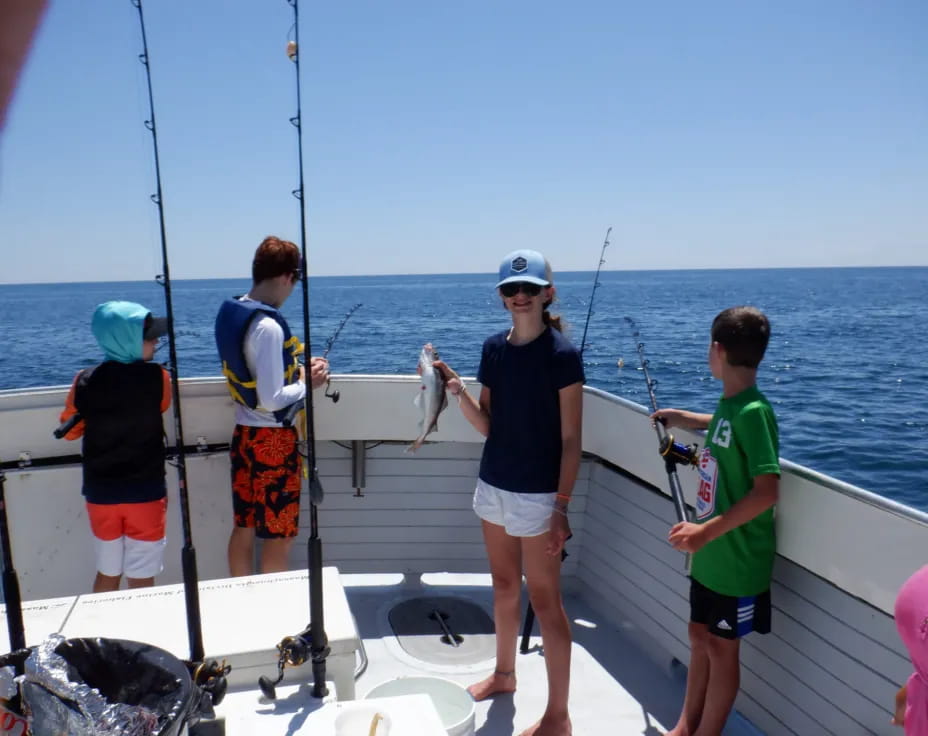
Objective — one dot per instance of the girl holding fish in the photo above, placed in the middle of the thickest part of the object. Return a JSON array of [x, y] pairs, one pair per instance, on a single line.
[[529, 409]]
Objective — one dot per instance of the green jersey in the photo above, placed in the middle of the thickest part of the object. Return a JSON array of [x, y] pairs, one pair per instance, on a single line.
[[742, 443]]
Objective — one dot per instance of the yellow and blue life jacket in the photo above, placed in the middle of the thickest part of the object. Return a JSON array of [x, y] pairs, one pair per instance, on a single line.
[[232, 324]]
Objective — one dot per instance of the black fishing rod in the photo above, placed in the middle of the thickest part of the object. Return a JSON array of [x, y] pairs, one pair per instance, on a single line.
[[596, 285], [11, 596], [674, 453], [312, 642], [209, 675], [529, 621], [336, 394]]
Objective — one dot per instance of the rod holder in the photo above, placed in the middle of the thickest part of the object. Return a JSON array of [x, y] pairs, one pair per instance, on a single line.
[[358, 467]]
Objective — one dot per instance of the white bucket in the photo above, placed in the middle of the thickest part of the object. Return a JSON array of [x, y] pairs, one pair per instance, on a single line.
[[454, 704]]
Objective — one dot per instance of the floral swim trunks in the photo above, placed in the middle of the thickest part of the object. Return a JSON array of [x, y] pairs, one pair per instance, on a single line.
[[266, 482]]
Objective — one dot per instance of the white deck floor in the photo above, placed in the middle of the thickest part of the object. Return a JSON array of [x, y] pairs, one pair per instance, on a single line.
[[616, 687]]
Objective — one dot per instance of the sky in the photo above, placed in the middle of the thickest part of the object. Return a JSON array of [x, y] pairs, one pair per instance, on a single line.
[[440, 135]]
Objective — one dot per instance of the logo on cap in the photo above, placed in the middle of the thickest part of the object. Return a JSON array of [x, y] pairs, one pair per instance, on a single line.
[[519, 264]]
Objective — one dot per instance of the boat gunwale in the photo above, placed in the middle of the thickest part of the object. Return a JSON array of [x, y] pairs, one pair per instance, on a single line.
[[826, 481]]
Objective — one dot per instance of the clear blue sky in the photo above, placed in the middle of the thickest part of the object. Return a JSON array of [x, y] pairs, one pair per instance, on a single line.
[[439, 135]]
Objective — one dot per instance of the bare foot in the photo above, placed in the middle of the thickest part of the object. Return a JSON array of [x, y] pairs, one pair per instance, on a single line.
[[679, 730], [550, 726], [498, 682]]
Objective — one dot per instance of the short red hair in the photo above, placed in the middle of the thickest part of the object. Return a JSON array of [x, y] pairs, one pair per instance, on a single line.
[[274, 257]]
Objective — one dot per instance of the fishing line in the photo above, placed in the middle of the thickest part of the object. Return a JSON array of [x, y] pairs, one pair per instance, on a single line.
[[596, 285], [210, 676], [674, 453], [312, 642]]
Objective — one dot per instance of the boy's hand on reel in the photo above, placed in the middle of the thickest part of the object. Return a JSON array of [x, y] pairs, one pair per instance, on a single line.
[[318, 371], [668, 417]]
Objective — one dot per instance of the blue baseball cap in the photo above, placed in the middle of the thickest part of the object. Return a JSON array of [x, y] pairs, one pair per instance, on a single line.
[[527, 266]]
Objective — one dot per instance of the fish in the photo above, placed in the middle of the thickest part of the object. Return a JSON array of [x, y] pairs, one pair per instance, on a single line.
[[431, 398]]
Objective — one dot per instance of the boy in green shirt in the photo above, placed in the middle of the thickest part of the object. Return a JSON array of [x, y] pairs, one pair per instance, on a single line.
[[732, 540]]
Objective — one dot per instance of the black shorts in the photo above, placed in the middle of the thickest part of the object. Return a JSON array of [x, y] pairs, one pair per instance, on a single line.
[[729, 617]]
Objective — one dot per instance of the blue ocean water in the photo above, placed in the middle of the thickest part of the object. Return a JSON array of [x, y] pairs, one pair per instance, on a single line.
[[846, 369]]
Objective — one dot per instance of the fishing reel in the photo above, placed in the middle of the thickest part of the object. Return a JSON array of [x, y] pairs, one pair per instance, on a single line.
[[210, 678], [294, 651], [677, 453]]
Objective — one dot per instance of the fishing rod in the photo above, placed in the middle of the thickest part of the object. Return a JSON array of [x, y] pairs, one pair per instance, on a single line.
[[311, 643], [674, 453], [529, 621], [296, 408], [336, 394], [11, 596], [596, 285], [210, 676]]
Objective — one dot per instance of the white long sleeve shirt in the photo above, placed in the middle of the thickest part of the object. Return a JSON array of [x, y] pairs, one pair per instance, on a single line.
[[264, 343]]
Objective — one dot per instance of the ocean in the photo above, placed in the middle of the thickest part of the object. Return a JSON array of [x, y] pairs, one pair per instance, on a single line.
[[846, 369]]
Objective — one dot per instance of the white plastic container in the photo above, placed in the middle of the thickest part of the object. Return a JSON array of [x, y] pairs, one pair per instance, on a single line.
[[454, 704], [362, 720]]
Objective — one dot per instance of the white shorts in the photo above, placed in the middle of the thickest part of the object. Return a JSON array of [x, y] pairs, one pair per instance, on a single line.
[[132, 557], [521, 514]]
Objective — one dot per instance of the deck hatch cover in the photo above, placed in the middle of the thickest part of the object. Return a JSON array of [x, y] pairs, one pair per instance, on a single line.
[[443, 630]]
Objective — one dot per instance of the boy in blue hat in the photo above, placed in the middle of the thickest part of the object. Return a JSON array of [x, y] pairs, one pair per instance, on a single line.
[[120, 403]]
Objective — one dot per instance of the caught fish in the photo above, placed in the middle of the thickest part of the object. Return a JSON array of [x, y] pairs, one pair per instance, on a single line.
[[431, 398]]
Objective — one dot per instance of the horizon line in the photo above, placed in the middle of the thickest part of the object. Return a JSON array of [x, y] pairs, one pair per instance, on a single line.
[[476, 273]]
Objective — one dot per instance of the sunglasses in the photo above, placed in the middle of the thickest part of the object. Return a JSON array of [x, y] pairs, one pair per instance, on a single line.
[[514, 287], [297, 274]]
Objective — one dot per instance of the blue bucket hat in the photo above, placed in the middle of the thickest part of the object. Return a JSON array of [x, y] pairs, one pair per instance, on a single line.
[[527, 266]]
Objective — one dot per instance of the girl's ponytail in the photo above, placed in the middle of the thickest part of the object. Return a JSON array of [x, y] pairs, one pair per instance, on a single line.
[[553, 321]]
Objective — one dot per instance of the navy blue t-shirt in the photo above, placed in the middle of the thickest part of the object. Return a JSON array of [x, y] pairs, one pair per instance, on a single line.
[[523, 449]]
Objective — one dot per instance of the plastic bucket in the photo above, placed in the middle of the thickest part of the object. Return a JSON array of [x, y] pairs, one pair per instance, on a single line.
[[129, 672], [454, 704]]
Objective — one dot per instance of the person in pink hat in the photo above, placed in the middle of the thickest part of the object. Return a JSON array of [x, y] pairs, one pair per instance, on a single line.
[[911, 613]]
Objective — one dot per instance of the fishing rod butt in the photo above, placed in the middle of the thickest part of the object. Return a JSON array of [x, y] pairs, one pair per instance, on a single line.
[[319, 688], [319, 641], [66, 427], [192, 598], [14, 610]]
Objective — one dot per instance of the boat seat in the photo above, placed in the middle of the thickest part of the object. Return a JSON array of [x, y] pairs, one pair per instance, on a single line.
[[243, 619]]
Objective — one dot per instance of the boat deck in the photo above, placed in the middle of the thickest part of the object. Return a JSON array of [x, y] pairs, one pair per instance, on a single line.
[[618, 686]]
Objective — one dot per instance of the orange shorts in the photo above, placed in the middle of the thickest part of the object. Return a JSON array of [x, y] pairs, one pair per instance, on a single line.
[[266, 480]]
